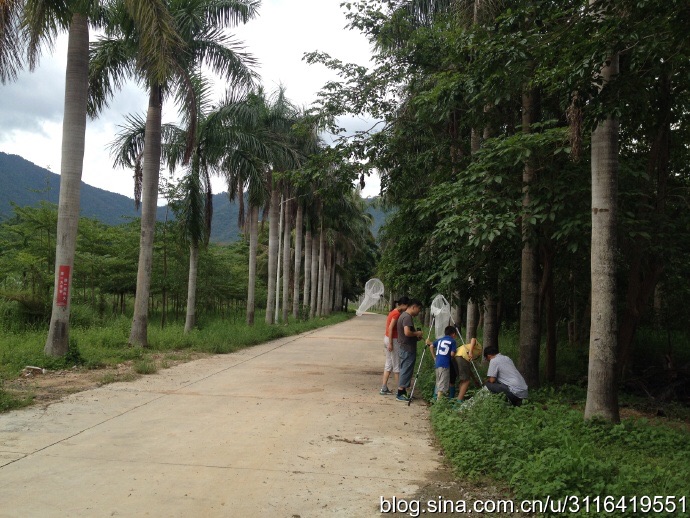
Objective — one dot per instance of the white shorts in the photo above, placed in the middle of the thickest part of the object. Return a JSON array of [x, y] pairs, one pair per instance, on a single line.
[[392, 357], [442, 380]]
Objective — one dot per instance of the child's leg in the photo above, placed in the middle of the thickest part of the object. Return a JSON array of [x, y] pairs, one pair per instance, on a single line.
[[442, 381], [464, 375], [464, 385]]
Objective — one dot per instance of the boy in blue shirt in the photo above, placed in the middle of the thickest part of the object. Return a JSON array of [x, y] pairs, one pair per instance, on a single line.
[[443, 351]]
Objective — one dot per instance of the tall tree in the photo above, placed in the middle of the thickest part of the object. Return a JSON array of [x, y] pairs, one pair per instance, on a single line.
[[198, 24], [530, 318], [602, 384], [43, 21], [299, 233], [279, 116]]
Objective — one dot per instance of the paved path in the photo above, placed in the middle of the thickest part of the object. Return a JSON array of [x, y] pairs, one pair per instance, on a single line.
[[294, 427]]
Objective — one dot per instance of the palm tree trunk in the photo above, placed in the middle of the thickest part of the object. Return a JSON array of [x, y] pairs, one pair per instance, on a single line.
[[338, 282], [149, 198], [190, 320], [307, 267], [602, 390], [273, 231], [286, 262], [326, 282], [314, 276], [279, 263], [333, 281], [253, 246], [530, 332], [322, 257], [72, 162], [298, 259]]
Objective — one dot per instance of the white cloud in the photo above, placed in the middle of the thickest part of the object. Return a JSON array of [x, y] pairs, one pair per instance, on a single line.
[[31, 109]]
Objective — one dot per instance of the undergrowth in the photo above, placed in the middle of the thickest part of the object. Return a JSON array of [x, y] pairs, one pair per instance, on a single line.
[[546, 448], [106, 345]]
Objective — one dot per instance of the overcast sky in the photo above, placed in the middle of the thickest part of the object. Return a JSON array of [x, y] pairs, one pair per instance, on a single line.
[[31, 108]]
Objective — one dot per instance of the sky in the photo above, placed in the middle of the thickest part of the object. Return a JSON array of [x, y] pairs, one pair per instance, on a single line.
[[31, 108]]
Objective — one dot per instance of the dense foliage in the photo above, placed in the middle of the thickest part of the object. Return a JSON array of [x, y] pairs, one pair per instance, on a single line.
[[105, 275], [544, 448], [486, 112]]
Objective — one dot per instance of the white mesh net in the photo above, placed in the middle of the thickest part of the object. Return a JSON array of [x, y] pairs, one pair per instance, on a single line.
[[373, 291], [440, 309], [479, 397]]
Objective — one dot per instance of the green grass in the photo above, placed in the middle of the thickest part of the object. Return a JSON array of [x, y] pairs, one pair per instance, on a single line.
[[145, 367], [106, 344], [546, 448], [9, 402]]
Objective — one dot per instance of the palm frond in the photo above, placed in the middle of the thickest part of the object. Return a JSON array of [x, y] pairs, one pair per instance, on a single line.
[[226, 57], [43, 21], [128, 145], [13, 39], [159, 43], [110, 65], [229, 13]]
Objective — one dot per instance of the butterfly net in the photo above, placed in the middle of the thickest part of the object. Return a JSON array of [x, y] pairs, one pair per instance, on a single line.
[[440, 309], [373, 291]]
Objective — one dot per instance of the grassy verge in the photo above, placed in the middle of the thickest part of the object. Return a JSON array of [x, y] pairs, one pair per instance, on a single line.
[[106, 346], [10, 402], [545, 448]]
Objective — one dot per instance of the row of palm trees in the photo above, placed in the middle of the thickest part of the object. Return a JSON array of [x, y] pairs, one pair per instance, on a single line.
[[249, 138]]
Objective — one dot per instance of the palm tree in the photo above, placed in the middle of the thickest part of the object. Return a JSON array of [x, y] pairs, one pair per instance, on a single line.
[[268, 119], [279, 116], [12, 39], [226, 143], [309, 143], [200, 25], [42, 20], [299, 235], [350, 229]]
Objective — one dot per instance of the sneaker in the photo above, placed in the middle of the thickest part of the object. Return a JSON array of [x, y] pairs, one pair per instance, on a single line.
[[403, 397], [385, 391]]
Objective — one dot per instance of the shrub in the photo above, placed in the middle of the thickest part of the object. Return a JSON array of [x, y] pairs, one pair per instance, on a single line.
[[546, 448]]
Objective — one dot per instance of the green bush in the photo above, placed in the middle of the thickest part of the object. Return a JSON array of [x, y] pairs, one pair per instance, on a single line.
[[546, 448]]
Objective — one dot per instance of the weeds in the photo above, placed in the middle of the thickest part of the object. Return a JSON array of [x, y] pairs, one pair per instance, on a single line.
[[546, 448], [145, 367], [106, 346]]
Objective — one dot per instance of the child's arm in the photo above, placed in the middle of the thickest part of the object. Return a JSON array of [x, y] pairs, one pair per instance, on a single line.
[[470, 348], [431, 349]]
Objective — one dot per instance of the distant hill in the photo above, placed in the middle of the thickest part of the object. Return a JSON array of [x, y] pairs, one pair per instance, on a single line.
[[26, 184], [378, 214]]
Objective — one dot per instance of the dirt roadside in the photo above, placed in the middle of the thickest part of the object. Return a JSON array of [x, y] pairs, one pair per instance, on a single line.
[[47, 387]]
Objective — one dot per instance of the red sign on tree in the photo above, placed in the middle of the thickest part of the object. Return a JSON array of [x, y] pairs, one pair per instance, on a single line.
[[63, 285]]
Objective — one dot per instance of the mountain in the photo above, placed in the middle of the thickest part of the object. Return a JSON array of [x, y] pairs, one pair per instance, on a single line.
[[378, 214], [26, 184]]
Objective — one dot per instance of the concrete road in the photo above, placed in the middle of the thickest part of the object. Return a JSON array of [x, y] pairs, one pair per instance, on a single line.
[[291, 428]]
